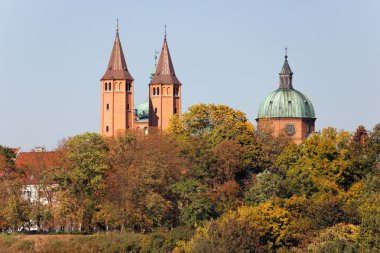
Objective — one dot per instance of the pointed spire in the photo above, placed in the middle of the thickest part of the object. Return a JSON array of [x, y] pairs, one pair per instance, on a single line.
[[165, 71], [117, 66], [286, 74]]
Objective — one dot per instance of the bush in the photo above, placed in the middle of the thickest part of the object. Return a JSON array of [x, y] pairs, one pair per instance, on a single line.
[[340, 238], [23, 245]]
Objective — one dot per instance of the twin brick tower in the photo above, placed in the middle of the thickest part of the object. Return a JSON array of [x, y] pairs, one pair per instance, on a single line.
[[118, 112], [285, 110]]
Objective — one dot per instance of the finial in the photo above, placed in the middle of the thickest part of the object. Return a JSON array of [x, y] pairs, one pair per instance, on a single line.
[[286, 52], [117, 25], [165, 31]]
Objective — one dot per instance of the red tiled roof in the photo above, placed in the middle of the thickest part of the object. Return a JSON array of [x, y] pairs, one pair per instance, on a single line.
[[34, 163]]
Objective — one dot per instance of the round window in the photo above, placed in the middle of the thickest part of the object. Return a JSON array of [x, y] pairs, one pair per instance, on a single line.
[[290, 129]]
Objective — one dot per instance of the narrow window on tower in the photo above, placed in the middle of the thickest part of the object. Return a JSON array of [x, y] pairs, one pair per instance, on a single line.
[[127, 107], [154, 91], [155, 110], [105, 86], [158, 91], [107, 129], [108, 106], [175, 110], [109, 86]]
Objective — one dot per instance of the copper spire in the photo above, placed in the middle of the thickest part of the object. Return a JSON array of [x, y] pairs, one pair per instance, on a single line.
[[117, 67], [165, 71], [286, 74]]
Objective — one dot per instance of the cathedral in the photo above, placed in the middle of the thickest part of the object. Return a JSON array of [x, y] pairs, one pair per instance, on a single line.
[[286, 110], [118, 112]]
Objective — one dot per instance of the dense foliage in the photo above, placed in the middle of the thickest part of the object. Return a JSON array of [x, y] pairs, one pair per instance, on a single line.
[[210, 184]]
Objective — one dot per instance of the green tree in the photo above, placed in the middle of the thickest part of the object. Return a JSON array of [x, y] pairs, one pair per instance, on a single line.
[[194, 202], [266, 186], [17, 209], [83, 174], [369, 229]]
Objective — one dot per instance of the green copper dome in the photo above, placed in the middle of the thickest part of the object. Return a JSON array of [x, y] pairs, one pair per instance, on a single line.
[[142, 111], [286, 103]]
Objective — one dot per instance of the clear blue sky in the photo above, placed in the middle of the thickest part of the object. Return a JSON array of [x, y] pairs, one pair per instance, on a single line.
[[53, 53]]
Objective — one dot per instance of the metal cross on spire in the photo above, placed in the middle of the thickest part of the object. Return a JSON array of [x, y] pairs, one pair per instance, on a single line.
[[117, 25], [286, 52], [165, 31]]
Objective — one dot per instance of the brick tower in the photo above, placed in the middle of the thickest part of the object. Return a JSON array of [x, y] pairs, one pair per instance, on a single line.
[[116, 111], [164, 91]]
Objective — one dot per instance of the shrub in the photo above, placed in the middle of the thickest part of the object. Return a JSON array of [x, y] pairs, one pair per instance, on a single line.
[[23, 245]]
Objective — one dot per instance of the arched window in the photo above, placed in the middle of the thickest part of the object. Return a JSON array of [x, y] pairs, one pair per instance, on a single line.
[[168, 91], [105, 86], [107, 129], [155, 110], [158, 91], [109, 86], [154, 91], [119, 85], [108, 106]]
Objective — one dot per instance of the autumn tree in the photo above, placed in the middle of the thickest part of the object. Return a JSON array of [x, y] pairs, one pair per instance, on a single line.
[[211, 124], [8, 169], [272, 145], [15, 209], [324, 155], [264, 228], [145, 168]]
